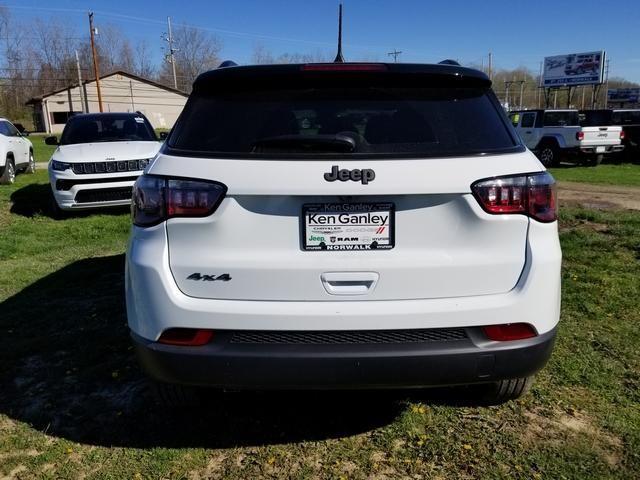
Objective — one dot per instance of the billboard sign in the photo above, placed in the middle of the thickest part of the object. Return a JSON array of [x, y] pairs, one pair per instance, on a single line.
[[623, 95], [573, 69]]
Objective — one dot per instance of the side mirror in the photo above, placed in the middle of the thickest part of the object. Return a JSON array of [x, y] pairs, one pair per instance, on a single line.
[[164, 135], [51, 140]]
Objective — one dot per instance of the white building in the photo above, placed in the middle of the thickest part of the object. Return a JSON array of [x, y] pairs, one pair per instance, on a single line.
[[121, 92]]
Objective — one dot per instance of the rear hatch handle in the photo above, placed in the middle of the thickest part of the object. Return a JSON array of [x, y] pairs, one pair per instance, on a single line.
[[349, 283]]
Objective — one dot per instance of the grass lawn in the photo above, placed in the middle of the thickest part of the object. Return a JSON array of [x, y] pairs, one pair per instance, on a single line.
[[608, 174], [41, 151], [73, 402]]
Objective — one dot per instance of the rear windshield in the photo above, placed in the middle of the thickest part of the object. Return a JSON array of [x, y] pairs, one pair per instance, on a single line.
[[561, 119], [347, 121], [626, 118], [595, 118], [107, 128]]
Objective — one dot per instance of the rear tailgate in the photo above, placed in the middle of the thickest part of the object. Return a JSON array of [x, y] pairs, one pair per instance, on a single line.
[[445, 244], [595, 136]]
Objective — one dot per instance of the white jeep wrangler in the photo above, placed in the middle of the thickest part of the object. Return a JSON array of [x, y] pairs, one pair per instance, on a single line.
[[556, 134]]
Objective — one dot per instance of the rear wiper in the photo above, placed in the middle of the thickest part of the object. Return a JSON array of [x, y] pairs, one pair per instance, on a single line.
[[305, 144]]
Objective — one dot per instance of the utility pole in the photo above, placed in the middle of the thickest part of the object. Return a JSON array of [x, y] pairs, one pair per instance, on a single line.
[[490, 66], [171, 55], [394, 54], [507, 86], [606, 84], [539, 86], [96, 69], [521, 92], [133, 105], [83, 104]]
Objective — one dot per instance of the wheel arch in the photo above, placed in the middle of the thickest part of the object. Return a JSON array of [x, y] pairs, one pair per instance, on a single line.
[[554, 140]]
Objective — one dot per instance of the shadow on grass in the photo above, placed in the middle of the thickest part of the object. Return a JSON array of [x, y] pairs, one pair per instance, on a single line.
[[67, 368], [36, 199]]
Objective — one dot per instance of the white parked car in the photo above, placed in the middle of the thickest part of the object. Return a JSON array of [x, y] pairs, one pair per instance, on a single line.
[[343, 225], [99, 157], [16, 153]]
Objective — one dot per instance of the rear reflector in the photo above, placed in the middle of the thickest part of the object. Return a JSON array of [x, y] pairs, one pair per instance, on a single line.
[[190, 337], [510, 331], [533, 195], [344, 67]]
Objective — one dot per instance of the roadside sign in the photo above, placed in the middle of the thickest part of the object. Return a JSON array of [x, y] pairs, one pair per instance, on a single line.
[[585, 68]]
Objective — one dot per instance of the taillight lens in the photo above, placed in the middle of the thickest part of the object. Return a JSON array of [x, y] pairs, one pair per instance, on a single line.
[[510, 331], [156, 199], [579, 135], [533, 195], [621, 134], [188, 337]]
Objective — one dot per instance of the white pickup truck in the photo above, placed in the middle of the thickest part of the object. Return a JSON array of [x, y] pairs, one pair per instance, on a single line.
[[556, 134]]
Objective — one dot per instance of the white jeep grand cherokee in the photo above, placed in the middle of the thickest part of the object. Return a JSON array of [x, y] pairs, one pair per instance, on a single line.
[[99, 157], [343, 225]]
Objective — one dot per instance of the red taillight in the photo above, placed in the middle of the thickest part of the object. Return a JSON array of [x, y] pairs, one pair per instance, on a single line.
[[156, 199], [344, 67], [510, 331], [621, 134], [579, 135], [188, 337], [533, 195]]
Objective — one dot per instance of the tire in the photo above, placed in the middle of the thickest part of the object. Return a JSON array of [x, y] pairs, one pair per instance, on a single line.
[[31, 167], [56, 212], [597, 160], [505, 390], [175, 396], [548, 154], [9, 174]]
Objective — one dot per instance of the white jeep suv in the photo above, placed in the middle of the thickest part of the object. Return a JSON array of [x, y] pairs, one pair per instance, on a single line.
[[343, 225], [99, 157], [16, 153]]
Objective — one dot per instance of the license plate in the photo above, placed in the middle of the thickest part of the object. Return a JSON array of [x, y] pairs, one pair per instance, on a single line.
[[600, 149], [348, 226]]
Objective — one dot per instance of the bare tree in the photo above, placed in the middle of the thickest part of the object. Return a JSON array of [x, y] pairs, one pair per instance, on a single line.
[[143, 65], [261, 55], [196, 52]]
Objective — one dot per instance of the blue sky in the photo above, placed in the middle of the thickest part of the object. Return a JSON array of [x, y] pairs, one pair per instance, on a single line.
[[519, 33]]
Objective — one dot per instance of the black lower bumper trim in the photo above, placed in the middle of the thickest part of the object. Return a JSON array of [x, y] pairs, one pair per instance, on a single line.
[[224, 364]]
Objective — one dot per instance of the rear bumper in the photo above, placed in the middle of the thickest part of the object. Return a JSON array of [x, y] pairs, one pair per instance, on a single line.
[[598, 149], [225, 364]]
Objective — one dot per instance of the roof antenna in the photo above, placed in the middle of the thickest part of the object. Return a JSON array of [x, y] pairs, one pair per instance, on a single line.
[[339, 57]]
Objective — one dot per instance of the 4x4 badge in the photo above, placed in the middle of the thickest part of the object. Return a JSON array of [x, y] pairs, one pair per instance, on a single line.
[[225, 277], [365, 175]]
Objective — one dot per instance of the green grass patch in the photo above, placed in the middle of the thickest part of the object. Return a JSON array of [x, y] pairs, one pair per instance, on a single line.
[[73, 402], [607, 174], [41, 151]]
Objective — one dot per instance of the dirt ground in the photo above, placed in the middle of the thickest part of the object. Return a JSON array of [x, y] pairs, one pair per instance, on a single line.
[[599, 196]]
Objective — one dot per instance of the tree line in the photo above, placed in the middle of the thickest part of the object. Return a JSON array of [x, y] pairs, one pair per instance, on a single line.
[[39, 56]]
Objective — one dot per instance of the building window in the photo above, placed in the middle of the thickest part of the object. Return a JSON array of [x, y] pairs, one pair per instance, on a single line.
[[61, 117]]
